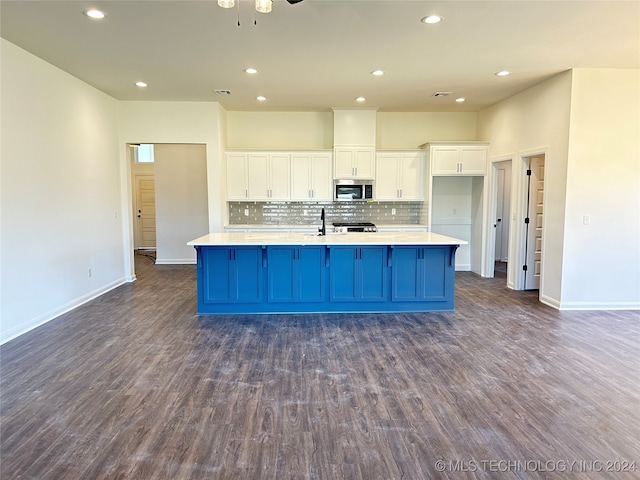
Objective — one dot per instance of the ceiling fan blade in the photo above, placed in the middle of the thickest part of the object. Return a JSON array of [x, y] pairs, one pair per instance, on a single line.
[[294, 1]]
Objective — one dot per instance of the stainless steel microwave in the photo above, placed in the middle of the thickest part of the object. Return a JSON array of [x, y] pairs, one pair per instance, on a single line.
[[350, 190]]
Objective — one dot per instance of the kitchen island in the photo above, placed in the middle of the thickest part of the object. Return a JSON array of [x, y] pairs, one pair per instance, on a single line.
[[286, 272]]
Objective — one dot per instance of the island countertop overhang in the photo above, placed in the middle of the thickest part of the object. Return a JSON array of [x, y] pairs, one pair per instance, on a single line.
[[332, 239]]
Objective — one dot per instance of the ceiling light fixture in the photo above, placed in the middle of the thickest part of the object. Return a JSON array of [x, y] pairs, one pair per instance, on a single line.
[[96, 14], [261, 98], [226, 3], [460, 99], [431, 19], [263, 6], [503, 73], [377, 73], [141, 84], [250, 70], [360, 99]]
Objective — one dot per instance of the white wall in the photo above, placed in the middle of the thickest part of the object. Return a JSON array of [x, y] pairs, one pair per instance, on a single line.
[[176, 123], [314, 130], [536, 120], [61, 211], [602, 259], [407, 130], [181, 201], [280, 130], [592, 146]]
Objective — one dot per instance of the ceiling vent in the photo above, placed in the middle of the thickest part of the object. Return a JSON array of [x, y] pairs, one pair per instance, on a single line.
[[223, 92], [441, 94]]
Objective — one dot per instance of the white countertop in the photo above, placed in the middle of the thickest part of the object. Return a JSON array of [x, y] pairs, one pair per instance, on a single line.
[[351, 238]]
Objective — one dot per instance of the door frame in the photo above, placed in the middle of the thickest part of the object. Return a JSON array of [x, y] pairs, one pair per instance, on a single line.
[[517, 232], [516, 255], [490, 247]]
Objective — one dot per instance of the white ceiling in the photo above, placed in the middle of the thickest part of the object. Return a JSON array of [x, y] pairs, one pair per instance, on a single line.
[[319, 54]]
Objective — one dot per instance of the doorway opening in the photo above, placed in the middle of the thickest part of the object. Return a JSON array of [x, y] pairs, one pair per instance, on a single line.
[[502, 218], [533, 222], [144, 199]]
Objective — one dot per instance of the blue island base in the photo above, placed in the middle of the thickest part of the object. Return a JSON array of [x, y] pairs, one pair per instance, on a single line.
[[317, 279]]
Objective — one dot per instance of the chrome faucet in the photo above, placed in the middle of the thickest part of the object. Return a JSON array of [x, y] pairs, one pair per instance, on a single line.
[[323, 229]]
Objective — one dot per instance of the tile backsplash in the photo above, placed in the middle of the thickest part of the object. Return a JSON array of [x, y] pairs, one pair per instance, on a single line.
[[308, 213]]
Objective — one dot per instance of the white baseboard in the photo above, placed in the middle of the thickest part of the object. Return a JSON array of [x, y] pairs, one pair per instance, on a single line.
[[600, 306], [176, 261], [29, 325]]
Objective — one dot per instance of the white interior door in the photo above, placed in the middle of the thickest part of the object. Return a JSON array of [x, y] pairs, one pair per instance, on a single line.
[[503, 211], [533, 247], [145, 212]]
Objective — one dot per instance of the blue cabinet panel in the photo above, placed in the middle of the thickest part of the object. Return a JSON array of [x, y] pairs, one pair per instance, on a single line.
[[358, 273], [216, 283], [296, 274], [230, 274], [373, 278], [248, 281], [406, 275], [311, 274], [434, 283], [422, 274], [281, 276], [343, 273]]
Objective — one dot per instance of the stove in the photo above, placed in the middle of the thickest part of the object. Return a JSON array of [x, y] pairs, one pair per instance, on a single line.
[[343, 227]]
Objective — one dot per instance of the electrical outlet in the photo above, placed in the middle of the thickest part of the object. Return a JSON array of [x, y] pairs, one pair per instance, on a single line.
[[246, 212], [586, 220], [393, 211], [455, 211], [115, 214], [89, 272]]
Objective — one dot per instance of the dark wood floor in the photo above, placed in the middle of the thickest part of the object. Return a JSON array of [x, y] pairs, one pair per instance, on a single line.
[[134, 385]]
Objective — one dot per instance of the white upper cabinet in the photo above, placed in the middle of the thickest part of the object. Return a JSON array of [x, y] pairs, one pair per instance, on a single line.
[[311, 176], [268, 176], [354, 162], [399, 176], [469, 158], [257, 176]]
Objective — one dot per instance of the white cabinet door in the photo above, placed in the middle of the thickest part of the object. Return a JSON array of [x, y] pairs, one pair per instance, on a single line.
[[258, 168], [399, 176], [237, 188], [474, 160], [354, 162], [301, 176], [364, 163], [410, 176], [321, 181], [445, 160], [311, 176], [279, 177], [268, 176], [459, 160], [386, 187]]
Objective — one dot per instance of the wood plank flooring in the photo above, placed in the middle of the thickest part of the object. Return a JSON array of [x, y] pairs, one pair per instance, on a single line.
[[134, 385]]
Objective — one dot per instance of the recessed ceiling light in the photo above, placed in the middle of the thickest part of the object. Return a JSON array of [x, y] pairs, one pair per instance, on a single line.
[[377, 73], [430, 19], [93, 13], [261, 98], [360, 99], [141, 84], [460, 99], [250, 70], [503, 73]]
